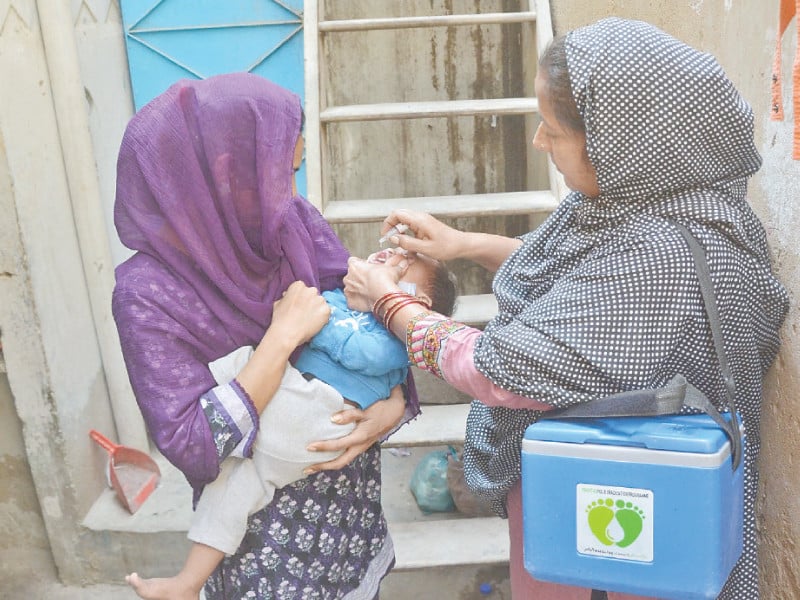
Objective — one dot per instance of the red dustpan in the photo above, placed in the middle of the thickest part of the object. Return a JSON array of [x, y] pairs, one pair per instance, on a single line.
[[134, 475]]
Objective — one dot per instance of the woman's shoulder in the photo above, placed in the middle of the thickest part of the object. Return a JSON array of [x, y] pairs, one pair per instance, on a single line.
[[651, 246], [647, 233], [142, 278], [135, 267]]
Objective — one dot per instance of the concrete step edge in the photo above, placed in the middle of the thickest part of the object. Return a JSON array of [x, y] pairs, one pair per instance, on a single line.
[[169, 507], [475, 309], [426, 544], [429, 109], [437, 425], [349, 25], [492, 204]]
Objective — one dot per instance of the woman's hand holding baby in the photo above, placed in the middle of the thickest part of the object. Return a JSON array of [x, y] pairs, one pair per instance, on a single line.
[[300, 313], [296, 317], [372, 425]]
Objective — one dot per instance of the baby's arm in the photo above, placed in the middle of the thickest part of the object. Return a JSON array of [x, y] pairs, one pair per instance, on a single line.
[[359, 343]]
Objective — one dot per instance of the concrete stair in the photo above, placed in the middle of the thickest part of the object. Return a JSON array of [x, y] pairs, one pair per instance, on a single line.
[[421, 540]]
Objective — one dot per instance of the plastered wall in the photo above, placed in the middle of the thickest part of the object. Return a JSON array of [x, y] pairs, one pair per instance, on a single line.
[[55, 385], [780, 459]]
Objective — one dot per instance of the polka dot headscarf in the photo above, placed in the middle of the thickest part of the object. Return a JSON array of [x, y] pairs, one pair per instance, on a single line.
[[603, 297]]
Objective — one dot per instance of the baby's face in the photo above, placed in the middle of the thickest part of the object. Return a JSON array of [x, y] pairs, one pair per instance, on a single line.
[[420, 267]]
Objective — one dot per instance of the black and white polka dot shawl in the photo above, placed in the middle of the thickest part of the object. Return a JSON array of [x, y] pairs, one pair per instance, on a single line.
[[603, 297]]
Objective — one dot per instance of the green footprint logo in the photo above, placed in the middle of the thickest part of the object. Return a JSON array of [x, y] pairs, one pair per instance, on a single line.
[[615, 522]]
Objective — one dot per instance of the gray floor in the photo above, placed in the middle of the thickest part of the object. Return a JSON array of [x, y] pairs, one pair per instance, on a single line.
[[456, 584]]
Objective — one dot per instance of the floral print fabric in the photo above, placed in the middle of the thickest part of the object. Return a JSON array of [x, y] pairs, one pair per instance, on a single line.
[[323, 537]]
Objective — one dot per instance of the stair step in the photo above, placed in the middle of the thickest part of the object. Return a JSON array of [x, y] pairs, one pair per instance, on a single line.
[[169, 507], [477, 309], [445, 543], [466, 205], [425, 21], [437, 425], [421, 541], [437, 108]]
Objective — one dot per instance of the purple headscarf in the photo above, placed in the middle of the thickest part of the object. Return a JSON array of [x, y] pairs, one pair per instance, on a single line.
[[204, 197]]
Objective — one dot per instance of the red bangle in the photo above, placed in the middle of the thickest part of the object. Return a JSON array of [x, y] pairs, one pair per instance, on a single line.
[[395, 308], [391, 309], [380, 302]]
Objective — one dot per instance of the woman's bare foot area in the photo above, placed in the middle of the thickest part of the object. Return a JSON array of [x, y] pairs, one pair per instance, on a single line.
[[162, 588]]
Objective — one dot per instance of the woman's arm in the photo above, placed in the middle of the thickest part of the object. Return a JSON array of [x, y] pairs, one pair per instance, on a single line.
[[435, 239], [194, 422], [248, 378], [425, 334], [297, 316], [453, 359]]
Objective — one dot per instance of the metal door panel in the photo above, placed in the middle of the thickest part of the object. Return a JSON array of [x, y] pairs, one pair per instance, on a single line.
[[168, 40]]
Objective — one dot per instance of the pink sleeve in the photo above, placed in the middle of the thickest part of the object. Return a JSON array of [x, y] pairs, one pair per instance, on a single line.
[[458, 369]]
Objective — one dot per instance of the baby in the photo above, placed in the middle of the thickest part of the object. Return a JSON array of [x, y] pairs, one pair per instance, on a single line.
[[352, 361]]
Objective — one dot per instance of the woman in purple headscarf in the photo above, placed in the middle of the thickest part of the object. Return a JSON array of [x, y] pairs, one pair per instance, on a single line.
[[228, 255]]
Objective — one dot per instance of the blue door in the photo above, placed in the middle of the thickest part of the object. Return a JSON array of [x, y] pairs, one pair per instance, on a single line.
[[169, 40]]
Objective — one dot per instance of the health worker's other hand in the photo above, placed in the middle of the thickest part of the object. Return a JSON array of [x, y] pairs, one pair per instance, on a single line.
[[372, 425], [431, 237], [365, 282], [300, 313]]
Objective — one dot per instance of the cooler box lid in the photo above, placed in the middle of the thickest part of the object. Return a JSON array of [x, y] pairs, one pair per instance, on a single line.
[[678, 433]]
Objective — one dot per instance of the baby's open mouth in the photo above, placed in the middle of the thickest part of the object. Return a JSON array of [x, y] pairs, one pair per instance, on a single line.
[[381, 256]]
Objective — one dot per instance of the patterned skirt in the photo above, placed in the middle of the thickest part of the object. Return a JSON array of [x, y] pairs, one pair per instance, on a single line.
[[321, 537]]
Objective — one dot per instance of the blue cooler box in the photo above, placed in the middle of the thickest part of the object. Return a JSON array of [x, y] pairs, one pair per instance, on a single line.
[[647, 506]]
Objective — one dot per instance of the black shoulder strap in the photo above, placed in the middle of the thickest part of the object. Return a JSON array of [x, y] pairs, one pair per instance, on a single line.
[[677, 393]]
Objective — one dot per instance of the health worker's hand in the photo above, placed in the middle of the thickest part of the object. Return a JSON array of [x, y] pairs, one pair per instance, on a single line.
[[431, 237]]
